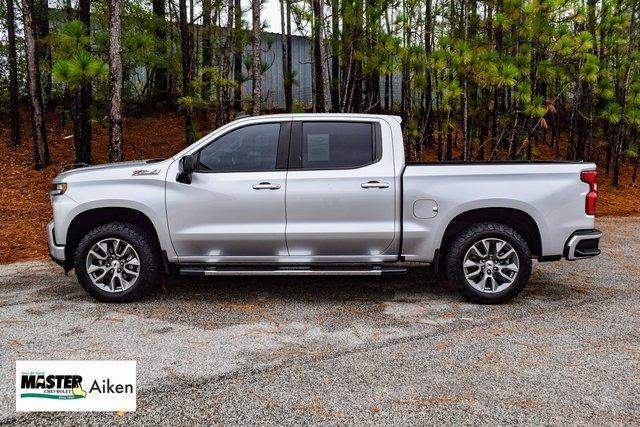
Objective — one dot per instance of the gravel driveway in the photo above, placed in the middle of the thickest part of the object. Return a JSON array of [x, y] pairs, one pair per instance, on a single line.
[[332, 350]]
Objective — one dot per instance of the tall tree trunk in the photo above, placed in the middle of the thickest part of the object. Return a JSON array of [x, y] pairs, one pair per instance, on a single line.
[[372, 80], [591, 23], [620, 131], [283, 45], [288, 87], [40, 146], [498, 95], [466, 149], [226, 64], [405, 91], [206, 48], [428, 30], [82, 119], [44, 47], [237, 58], [187, 70], [322, 92], [13, 75], [619, 140], [335, 55], [160, 91], [449, 142], [388, 78], [346, 66], [115, 81], [256, 67], [358, 40]]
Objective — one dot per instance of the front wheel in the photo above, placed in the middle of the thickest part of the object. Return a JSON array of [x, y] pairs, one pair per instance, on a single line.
[[489, 263], [116, 262]]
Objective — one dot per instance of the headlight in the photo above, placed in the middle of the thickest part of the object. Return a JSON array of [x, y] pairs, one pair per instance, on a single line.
[[58, 189]]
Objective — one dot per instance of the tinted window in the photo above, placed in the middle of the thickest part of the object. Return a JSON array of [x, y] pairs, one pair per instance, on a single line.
[[327, 145], [246, 149]]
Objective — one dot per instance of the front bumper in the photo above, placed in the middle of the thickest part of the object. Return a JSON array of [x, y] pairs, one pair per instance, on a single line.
[[56, 252], [583, 244]]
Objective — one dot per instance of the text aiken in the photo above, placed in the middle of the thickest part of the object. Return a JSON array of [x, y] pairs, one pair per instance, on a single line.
[[107, 388]]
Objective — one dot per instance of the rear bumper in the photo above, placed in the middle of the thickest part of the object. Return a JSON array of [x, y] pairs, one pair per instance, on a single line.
[[583, 244], [55, 251]]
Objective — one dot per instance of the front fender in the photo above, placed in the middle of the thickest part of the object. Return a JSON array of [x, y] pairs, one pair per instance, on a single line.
[[145, 195]]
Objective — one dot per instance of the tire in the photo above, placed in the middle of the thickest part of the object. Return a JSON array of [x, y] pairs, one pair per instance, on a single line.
[[140, 246], [466, 253]]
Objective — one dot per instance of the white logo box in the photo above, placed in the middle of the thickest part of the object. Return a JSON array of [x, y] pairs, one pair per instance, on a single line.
[[75, 385]]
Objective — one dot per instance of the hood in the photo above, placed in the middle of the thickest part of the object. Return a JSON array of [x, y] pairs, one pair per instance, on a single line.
[[147, 164]]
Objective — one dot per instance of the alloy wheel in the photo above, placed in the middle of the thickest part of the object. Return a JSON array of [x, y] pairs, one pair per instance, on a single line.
[[491, 265], [113, 265]]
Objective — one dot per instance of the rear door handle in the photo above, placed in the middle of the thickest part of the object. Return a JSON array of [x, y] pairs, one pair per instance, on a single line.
[[374, 184], [265, 186]]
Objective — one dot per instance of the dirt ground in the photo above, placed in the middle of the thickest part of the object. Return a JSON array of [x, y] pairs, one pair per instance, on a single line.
[[24, 199]]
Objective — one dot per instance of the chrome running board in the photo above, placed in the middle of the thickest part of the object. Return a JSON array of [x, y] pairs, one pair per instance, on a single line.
[[290, 271]]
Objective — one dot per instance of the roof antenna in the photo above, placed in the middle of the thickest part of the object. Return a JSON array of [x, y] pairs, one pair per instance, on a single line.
[[242, 115]]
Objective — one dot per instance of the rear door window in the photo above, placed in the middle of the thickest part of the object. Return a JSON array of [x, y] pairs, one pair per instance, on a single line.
[[334, 145]]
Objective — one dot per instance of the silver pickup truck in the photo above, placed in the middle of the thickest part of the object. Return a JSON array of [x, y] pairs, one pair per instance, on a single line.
[[318, 194]]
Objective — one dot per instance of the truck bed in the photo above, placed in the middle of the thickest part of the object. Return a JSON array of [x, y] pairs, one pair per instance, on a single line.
[[491, 162], [548, 192]]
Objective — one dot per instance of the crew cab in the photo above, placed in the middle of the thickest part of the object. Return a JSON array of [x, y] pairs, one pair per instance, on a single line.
[[318, 194]]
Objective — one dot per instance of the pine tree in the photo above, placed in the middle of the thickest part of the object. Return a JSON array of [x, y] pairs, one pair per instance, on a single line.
[[14, 99], [84, 96], [319, 62], [160, 90], [115, 81], [39, 130], [256, 67], [187, 71]]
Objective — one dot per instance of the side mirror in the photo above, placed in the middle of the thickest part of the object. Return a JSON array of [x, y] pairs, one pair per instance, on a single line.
[[188, 165]]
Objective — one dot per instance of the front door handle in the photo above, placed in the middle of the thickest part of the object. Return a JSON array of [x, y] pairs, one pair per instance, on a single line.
[[265, 186], [374, 184]]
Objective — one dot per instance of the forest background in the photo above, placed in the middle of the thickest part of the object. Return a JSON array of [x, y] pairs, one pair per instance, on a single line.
[[91, 81]]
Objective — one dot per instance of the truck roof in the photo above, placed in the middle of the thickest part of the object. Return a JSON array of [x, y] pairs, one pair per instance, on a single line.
[[321, 115]]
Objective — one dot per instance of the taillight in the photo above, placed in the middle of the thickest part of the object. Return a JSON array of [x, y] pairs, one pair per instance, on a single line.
[[591, 178]]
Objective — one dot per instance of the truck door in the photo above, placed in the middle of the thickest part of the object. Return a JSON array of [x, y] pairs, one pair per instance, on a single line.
[[233, 210], [340, 199]]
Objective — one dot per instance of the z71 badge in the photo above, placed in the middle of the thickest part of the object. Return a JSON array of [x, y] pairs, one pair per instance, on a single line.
[[140, 172]]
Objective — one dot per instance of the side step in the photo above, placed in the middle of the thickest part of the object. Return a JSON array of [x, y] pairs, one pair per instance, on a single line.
[[291, 270]]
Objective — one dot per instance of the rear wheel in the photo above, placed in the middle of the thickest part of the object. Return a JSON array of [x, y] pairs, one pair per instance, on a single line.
[[116, 262], [489, 263]]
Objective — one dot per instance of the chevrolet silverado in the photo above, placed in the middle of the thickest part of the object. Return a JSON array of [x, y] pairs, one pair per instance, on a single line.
[[318, 194]]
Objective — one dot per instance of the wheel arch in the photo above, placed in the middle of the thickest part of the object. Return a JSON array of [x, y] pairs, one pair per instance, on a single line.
[[520, 221], [89, 219]]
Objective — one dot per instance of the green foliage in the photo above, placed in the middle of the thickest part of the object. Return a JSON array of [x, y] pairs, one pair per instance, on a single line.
[[605, 88], [71, 38], [590, 70], [612, 113], [632, 152], [507, 76], [73, 64], [515, 64], [632, 116]]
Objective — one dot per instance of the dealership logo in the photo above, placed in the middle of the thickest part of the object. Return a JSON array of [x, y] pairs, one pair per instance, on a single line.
[[52, 386], [65, 385]]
